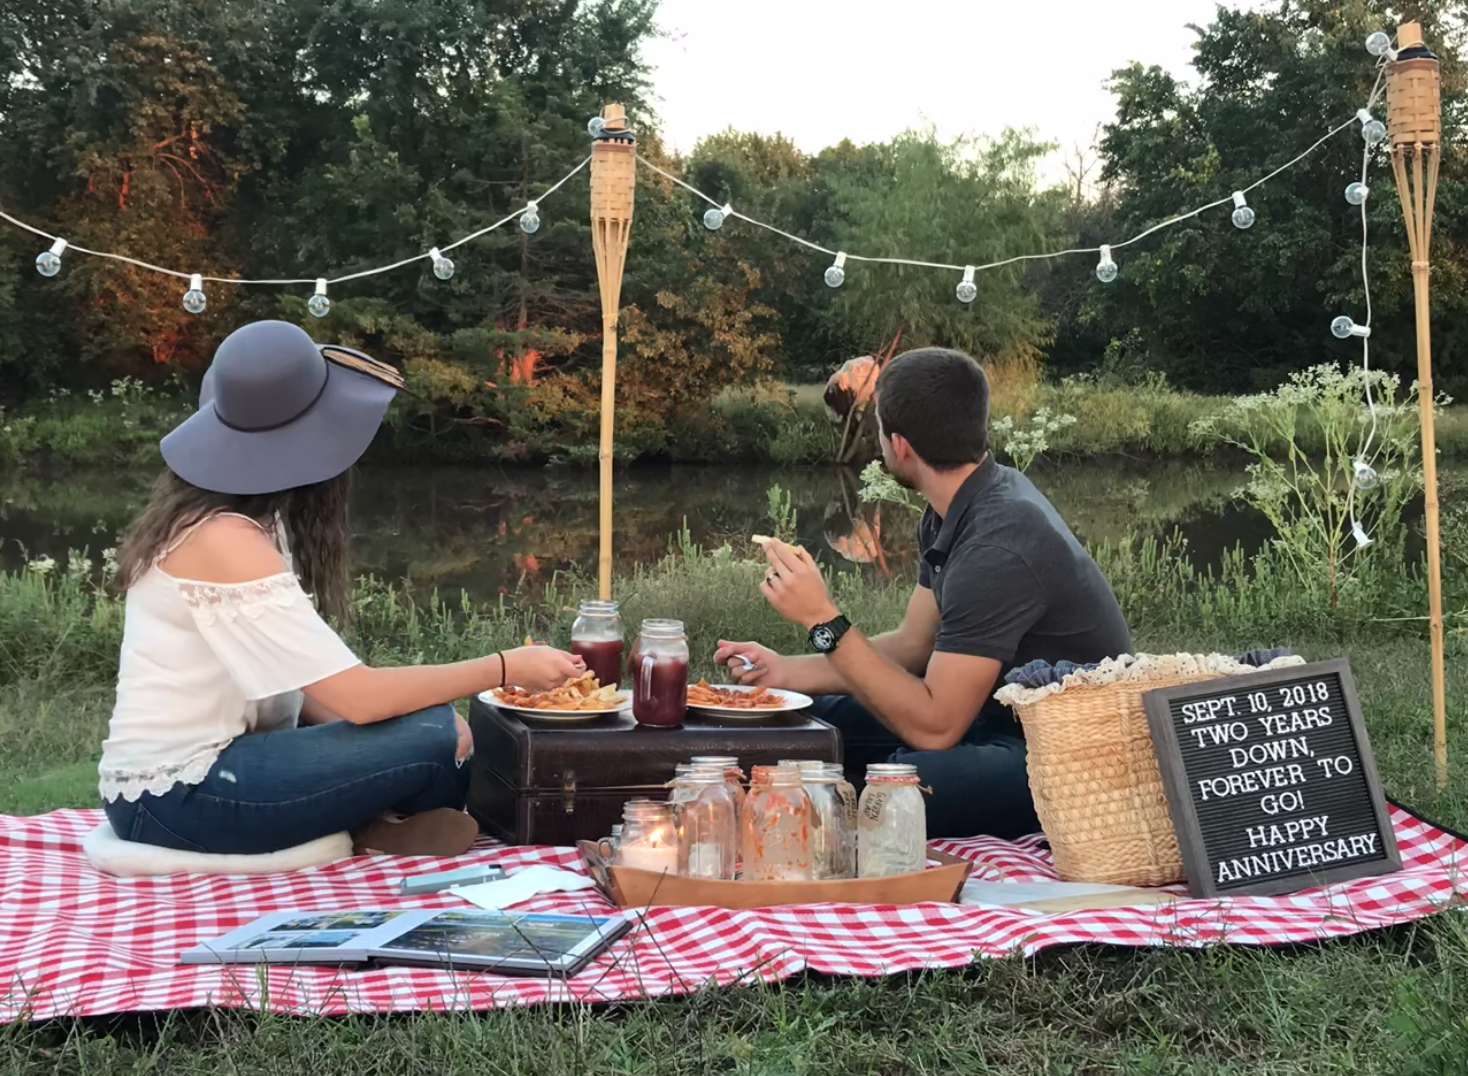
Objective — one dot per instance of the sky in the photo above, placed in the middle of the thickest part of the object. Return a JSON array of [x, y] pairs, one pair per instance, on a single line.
[[822, 70]]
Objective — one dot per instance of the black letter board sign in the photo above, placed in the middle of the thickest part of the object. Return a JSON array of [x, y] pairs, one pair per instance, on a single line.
[[1271, 782]]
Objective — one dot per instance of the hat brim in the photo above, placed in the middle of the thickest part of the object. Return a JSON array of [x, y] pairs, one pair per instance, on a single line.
[[323, 443]]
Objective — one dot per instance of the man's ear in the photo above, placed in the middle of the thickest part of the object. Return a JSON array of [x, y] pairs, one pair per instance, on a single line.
[[902, 448]]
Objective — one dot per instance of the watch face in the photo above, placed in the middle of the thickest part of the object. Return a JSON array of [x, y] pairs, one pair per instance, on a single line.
[[823, 638]]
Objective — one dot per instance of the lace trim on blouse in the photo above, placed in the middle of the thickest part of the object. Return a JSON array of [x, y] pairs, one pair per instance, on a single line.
[[229, 601], [159, 780]]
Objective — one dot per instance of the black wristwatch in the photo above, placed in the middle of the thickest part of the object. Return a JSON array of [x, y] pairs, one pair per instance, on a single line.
[[824, 638]]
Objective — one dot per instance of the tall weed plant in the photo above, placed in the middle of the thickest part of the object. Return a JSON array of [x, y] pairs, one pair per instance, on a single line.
[[1337, 513]]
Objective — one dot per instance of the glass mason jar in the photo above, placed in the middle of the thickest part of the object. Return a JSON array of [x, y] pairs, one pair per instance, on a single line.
[[708, 834], [659, 673], [829, 831], [775, 828], [596, 637], [649, 839], [846, 792], [892, 822], [733, 775]]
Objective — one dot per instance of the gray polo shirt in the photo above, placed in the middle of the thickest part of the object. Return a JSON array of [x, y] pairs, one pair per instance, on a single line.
[[1011, 581]]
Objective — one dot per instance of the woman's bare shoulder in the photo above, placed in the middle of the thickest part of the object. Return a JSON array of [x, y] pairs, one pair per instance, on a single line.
[[225, 549]]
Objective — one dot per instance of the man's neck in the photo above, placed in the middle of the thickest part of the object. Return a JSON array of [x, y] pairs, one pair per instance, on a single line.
[[940, 487]]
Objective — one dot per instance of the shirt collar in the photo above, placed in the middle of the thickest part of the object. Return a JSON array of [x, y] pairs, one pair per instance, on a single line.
[[974, 486]]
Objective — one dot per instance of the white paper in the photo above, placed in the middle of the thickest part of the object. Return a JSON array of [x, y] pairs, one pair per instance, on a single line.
[[1014, 894], [521, 885]]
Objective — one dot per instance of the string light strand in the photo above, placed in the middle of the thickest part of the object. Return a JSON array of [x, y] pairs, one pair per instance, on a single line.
[[426, 255], [1227, 199]]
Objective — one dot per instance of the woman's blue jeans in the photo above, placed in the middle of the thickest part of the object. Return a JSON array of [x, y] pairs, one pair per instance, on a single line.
[[274, 790]]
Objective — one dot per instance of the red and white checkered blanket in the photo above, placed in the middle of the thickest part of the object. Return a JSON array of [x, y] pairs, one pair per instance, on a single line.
[[77, 943]]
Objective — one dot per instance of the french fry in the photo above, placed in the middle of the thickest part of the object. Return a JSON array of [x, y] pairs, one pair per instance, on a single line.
[[578, 693]]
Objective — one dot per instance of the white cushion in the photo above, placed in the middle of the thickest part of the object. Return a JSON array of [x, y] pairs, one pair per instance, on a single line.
[[110, 854]]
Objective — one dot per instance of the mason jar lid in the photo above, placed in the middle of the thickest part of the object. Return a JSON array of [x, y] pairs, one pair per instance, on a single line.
[[891, 769], [714, 760], [592, 607], [700, 775]]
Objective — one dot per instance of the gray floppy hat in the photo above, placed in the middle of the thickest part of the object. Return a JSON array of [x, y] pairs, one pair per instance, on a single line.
[[277, 411]]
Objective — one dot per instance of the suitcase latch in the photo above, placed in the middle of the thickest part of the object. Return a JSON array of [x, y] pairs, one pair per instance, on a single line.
[[568, 790]]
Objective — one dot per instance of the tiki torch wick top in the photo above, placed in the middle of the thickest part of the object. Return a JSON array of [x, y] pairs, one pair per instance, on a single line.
[[1413, 91]]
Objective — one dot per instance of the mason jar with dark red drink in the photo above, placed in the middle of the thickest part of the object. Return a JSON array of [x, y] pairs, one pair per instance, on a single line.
[[659, 673], [596, 637]]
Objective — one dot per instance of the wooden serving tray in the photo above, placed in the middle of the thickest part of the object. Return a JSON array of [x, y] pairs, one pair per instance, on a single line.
[[629, 887]]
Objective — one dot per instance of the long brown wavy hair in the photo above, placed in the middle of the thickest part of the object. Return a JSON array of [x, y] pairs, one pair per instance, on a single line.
[[315, 519]]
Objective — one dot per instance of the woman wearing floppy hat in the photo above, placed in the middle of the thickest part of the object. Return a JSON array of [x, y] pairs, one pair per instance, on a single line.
[[243, 723]]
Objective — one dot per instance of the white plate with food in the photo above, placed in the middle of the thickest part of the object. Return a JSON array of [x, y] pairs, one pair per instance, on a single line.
[[744, 702], [578, 699]]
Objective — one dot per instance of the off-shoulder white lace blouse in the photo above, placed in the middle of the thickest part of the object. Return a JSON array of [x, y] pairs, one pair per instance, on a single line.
[[203, 663]]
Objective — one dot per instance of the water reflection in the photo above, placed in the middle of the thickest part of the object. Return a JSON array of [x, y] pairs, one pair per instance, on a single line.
[[493, 530]]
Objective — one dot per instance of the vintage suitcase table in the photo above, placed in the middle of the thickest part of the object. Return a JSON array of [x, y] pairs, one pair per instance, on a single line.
[[537, 782]]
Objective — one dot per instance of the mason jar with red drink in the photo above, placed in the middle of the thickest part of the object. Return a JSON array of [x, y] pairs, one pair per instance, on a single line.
[[596, 637], [658, 669]]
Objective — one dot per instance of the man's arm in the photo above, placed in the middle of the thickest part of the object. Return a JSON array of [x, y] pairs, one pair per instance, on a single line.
[[908, 647], [992, 611], [928, 713]]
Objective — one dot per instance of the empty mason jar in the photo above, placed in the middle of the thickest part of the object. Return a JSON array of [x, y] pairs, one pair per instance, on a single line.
[[846, 791], [892, 822], [829, 857], [708, 833], [733, 775]]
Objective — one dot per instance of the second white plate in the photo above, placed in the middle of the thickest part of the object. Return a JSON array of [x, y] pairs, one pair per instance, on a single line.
[[791, 701]]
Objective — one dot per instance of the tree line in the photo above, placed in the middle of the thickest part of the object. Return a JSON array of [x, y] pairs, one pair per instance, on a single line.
[[271, 139]]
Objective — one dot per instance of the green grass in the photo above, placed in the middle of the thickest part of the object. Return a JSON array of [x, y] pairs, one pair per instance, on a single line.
[[1388, 1002]]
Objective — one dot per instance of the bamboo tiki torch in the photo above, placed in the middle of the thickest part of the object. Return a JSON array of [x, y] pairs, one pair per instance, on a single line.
[[613, 179], [1414, 118]]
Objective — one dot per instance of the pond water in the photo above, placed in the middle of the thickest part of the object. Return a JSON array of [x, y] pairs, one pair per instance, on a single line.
[[492, 530]]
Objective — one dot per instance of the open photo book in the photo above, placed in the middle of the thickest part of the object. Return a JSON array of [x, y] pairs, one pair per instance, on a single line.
[[510, 943]]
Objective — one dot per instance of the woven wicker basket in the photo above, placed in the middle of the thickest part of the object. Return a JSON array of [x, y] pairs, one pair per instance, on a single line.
[[1093, 771]]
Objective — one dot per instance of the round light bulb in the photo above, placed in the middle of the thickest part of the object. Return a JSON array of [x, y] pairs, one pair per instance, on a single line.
[[530, 222], [194, 300], [1374, 132], [1106, 268], [1364, 474], [835, 276], [1378, 43], [1356, 193], [713, 220], [967, 291], [1243, 217], [443, 268], [595, 126], [1342, 327], [48, 264]]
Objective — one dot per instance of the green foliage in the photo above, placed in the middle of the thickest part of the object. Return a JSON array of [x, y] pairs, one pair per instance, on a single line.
[[1224, 310]]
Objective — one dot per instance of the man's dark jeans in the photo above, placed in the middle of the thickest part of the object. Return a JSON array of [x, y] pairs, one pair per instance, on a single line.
[[979, 786]]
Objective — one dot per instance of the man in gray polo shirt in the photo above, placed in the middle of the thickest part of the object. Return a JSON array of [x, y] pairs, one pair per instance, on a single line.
[[1002, 582]]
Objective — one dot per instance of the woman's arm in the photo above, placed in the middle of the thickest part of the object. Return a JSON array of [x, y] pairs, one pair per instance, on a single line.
[[229, 550]]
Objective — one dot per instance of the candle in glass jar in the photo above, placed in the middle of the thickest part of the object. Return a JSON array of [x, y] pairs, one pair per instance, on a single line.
[[657, 853]]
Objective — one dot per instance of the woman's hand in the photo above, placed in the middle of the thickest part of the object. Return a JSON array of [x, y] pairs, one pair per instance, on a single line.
[[540, 668]]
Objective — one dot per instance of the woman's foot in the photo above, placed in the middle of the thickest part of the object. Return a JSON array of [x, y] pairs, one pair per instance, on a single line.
[[443, 833]]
